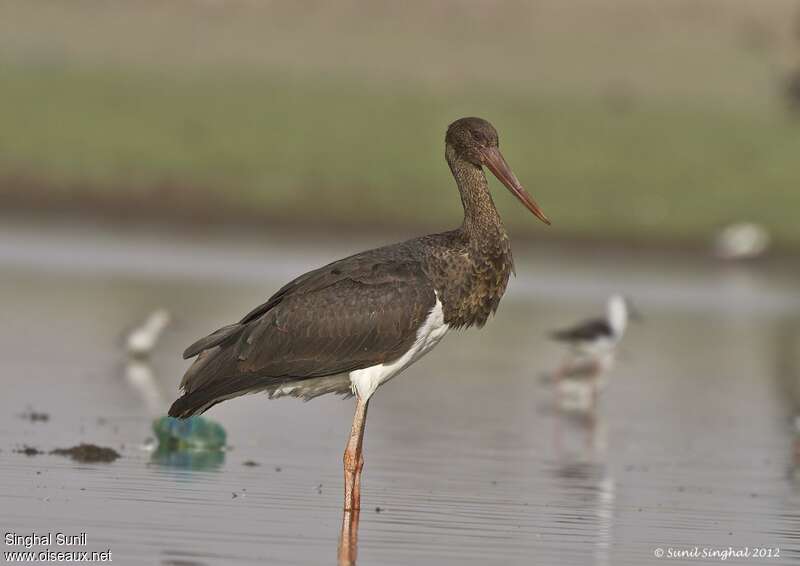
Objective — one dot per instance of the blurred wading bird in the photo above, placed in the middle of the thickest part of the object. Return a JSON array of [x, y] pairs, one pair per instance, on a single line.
[[350, 326], [139, 345], [592, 345], [142, 340]]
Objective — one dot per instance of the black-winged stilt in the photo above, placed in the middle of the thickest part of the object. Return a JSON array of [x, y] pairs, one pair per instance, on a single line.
[[592, 347]]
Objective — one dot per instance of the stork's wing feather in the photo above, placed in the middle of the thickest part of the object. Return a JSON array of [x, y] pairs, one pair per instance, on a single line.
[[346, 326], [348, 315], [214, 339], [390, 264], [585, 331]]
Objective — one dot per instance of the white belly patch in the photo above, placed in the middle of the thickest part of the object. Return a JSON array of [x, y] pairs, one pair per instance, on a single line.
[[365, 381]]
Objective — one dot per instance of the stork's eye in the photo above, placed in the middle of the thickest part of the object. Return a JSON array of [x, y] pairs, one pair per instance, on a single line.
[[479, 137]]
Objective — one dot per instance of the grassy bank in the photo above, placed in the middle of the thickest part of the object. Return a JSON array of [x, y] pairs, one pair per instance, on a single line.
[[642, 135], [311, 150]]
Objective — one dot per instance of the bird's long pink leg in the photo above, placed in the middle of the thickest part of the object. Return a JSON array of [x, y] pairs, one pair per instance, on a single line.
[[348, 540], [558, 376], [596, 370], [353, 458]]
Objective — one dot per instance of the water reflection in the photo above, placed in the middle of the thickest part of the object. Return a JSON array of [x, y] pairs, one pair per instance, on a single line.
[[348, 539], [192, 444], [196, 443], [188, 459], [787, 360], [581, 469], [794, 473], [691, 441], [139, 375]]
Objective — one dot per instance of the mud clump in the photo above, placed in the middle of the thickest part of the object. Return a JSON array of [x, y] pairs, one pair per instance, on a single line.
[[35, 417], [88, 453], [29, 451]]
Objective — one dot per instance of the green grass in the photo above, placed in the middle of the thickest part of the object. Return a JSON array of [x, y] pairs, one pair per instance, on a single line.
[[632, 119], [314, 149]]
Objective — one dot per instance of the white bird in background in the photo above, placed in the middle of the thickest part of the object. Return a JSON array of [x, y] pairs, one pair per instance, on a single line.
[[599, 335], [592, 346], [139, 345], [142, 340], [743, 240]]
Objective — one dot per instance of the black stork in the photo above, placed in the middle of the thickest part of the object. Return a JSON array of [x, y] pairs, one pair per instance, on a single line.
[[350, 326]]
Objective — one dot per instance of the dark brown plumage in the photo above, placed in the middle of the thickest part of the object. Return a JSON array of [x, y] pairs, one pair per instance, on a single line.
[[355, 313]]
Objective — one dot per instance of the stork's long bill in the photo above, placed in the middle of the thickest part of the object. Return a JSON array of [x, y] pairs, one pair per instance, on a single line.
[[494, 160]]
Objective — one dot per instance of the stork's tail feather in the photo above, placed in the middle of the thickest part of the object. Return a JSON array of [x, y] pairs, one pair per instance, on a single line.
[[188, 405], [202, 399]]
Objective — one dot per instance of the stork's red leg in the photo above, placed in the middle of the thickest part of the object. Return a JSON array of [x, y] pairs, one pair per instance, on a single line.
[[353, 458], [348, 540]]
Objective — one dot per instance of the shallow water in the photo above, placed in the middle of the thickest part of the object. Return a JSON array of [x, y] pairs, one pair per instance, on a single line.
[[467, 456]]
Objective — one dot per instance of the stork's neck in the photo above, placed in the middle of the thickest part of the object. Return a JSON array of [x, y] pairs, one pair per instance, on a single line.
[[472, 284], [481, 223]]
